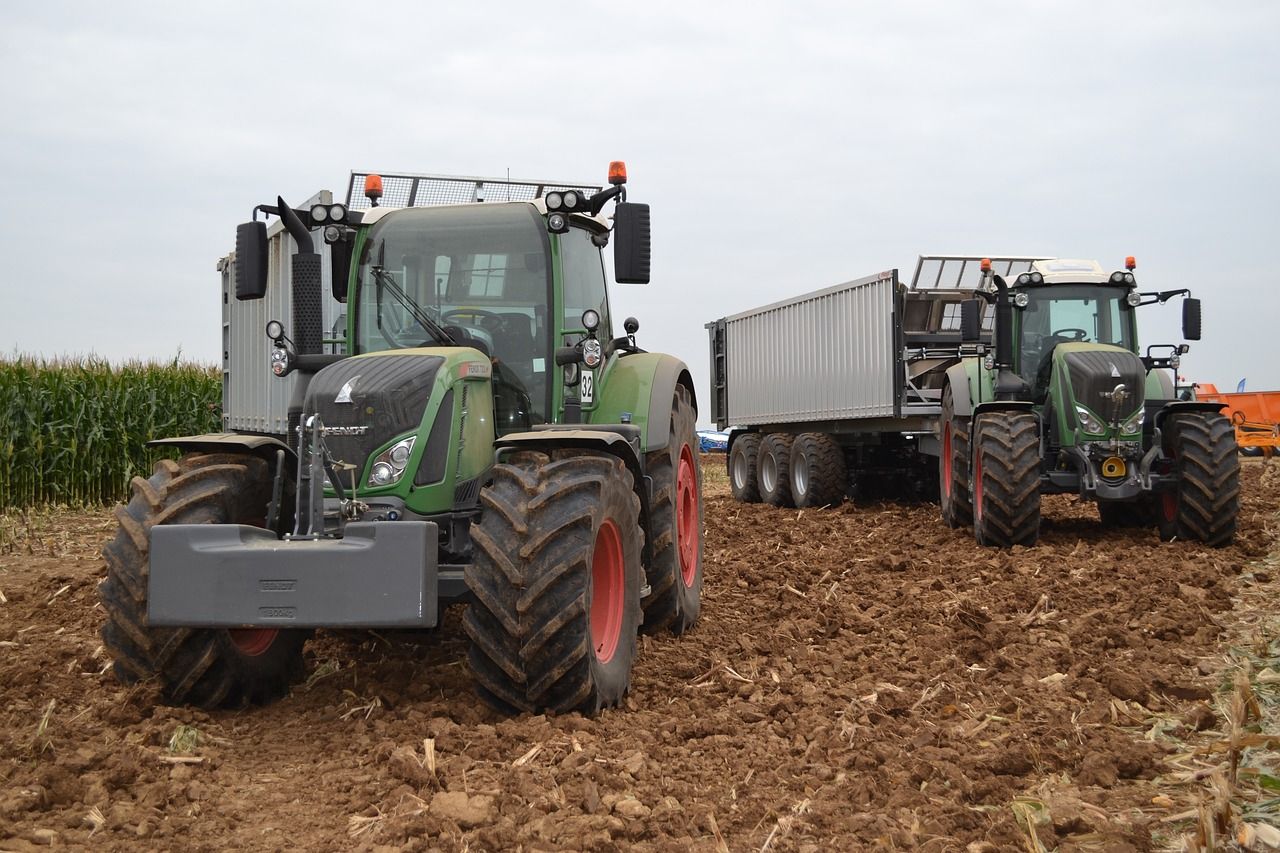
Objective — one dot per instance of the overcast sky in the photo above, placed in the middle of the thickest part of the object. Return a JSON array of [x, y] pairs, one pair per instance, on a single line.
[[784, 147]]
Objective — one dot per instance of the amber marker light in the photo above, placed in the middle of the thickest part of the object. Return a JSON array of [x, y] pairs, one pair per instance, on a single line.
[[617, 172], [373, 188], [1130, 263], [986, 265]]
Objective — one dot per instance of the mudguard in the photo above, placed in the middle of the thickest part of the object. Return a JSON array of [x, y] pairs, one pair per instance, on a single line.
[[1178, 407], [958, 379], [227, 442], [641, 386]]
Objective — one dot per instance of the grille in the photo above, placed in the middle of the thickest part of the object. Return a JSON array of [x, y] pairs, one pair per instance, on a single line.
[[388, 394], [1095, 372]]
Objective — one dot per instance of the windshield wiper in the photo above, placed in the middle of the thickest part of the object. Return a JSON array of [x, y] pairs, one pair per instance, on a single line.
[[437, 331]]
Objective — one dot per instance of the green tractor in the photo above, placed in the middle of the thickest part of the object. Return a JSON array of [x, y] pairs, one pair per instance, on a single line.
[[1064, 402], [488, 439]]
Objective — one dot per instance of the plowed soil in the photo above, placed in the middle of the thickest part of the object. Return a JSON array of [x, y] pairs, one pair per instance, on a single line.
[[862, 677]]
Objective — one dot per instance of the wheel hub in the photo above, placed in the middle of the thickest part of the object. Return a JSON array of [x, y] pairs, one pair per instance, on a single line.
[[687, 516], [252, 642], [607, 592]]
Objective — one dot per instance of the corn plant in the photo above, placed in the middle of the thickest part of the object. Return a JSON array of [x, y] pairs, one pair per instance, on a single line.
[[74, 430]]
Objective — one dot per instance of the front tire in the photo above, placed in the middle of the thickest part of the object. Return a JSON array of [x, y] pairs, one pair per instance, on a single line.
[[555, 583], [817, 471], [206, 667], [1006, 479], [675, 533], [774, 469], [1206, 500]]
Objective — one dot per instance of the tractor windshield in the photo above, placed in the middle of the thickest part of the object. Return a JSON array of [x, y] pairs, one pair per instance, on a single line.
[[477, 272], [1062, 313]]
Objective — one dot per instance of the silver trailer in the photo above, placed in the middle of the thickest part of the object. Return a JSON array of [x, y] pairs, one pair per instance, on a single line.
[[826, 393]]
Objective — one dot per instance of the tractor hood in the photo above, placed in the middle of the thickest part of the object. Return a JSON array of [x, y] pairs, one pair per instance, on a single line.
[[366, 401], [1092, 371]]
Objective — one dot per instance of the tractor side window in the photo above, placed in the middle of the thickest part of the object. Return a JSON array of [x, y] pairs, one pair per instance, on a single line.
[[583, 280]]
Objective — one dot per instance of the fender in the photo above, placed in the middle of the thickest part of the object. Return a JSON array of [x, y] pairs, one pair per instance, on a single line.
[[958, 379], [228, 442], [1178, 407], [1004, 406], [643, 385]]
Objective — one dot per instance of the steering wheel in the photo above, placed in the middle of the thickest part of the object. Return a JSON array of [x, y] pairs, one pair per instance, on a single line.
[[1072, 335], [473, 313]]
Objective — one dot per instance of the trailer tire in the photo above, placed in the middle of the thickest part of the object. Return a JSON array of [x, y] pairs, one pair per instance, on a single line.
[[743, 470], [817, 471], [953, 466], [205, 667], [774, 469], [1006, 479], [674, 572], [1206, 500], [555, 583]]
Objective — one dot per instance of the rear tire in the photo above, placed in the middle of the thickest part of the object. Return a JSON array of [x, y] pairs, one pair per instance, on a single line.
[[675, 533], [1206, 500], [774, 469], [1006, 479], [206, 667], [743, 472], [953, 466], [555, 583], [817, 471]]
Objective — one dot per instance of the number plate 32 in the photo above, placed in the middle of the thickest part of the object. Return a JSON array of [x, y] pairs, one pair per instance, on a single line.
[[588, 387]]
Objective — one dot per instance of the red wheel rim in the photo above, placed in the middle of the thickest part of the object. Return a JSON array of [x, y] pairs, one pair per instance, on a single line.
[[252, 641], [1169, 503], [687, 516], [606, 592], [946, 460]]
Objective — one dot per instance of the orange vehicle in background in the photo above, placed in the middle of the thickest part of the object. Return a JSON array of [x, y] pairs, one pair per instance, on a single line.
[[1256, 415]]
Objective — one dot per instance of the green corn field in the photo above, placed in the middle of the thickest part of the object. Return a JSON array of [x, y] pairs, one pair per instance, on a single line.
[[74, 430]]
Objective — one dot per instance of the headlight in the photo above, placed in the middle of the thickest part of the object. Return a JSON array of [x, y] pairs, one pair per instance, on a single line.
[[1134, 298], [554, 201], [389, 466], [1088, 422], [989, 361], [591, 319], [557, 223], [1021, 299], [1117, 277], [338, 212], [1134, 423], [319, 213], [571, 200], [591, 352], [1037, 278]]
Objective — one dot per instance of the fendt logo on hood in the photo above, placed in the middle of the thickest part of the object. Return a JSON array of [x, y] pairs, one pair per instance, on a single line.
[[344, 393], [1115, 373]]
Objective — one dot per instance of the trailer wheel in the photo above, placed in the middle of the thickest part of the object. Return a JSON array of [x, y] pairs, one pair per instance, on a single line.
[[774, 467], [206, 667], [953, 466], [743, 471], [1006, 479], [817, 471], [555, 583], [1206, 500], [675, 532]]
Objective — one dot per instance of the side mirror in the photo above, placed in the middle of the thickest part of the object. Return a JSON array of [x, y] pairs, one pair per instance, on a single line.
[[1191, 319], [971, 320], [251, 260], [631, 243], [340, 254]]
